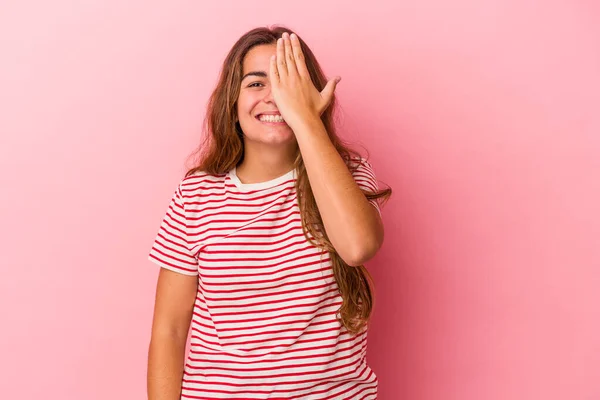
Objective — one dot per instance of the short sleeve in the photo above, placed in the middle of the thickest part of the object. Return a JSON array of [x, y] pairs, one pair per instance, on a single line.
[[171, 248], [365, 178]]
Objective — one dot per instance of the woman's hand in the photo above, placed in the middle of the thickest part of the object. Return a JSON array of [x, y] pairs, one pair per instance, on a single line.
[[293, 91]]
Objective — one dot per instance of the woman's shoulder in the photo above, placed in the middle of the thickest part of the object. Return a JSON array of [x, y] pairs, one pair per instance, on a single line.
[[198, 181], [358, 161]]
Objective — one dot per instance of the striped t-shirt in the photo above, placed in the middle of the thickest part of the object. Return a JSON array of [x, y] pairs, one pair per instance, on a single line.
[[264, 322]]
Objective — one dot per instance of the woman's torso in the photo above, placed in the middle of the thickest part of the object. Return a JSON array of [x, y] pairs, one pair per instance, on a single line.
[[264, 323]]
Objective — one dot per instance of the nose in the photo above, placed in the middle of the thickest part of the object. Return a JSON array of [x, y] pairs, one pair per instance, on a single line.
[[268, 96]]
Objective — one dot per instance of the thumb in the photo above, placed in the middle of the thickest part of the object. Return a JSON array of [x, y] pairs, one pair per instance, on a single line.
[[329, 88]]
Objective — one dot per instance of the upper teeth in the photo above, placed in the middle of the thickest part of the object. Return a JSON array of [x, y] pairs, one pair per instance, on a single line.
[[271, 118]]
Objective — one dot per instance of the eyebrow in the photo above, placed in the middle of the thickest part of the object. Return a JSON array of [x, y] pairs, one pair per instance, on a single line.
[[261, 74]]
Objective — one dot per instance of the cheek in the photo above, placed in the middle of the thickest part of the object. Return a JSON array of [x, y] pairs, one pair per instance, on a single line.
[[247, 103]]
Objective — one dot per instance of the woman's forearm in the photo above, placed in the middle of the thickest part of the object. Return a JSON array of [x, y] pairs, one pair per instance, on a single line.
[[165, 366], [352, 224]]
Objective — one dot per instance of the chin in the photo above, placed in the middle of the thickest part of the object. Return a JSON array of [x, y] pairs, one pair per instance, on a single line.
[[281, 137]]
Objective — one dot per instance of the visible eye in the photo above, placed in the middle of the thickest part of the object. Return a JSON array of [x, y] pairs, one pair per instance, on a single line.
[[254, 83]]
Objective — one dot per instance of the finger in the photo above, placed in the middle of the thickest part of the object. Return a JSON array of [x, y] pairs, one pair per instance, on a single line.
[[299, 56], [281, 67], [289, 55], [274, 73]]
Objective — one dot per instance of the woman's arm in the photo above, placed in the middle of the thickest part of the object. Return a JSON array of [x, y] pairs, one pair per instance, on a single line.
[[175, 297], [352, 224]]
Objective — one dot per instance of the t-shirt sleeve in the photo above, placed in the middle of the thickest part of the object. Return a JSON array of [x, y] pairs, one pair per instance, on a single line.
[[171, 248], [365, 177]]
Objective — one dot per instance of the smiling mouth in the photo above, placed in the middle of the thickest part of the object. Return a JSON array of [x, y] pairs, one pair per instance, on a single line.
[[268, 118]]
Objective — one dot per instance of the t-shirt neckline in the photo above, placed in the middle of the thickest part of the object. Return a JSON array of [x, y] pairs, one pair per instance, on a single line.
[[260, 185]]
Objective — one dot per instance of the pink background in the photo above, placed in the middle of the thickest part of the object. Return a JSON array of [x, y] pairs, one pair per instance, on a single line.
[[483, 115]]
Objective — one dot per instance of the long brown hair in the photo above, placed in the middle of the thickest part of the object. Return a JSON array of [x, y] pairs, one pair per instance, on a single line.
[[223, 149]]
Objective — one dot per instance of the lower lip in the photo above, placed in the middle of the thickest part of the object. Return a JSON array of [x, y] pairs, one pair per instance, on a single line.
[[271, 123]]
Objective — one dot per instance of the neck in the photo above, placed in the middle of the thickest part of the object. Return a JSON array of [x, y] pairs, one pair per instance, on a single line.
[[261, 164]]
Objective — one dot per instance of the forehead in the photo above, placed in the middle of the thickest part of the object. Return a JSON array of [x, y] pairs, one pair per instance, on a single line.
[[258, 58]]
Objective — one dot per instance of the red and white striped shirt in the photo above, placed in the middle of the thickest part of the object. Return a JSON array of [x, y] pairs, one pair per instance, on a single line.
[[264, 323]]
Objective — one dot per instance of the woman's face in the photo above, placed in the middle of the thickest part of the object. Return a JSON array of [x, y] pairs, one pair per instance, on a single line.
[[256, 98]]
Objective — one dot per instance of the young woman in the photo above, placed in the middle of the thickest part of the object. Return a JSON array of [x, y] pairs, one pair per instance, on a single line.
[[263, 244]]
